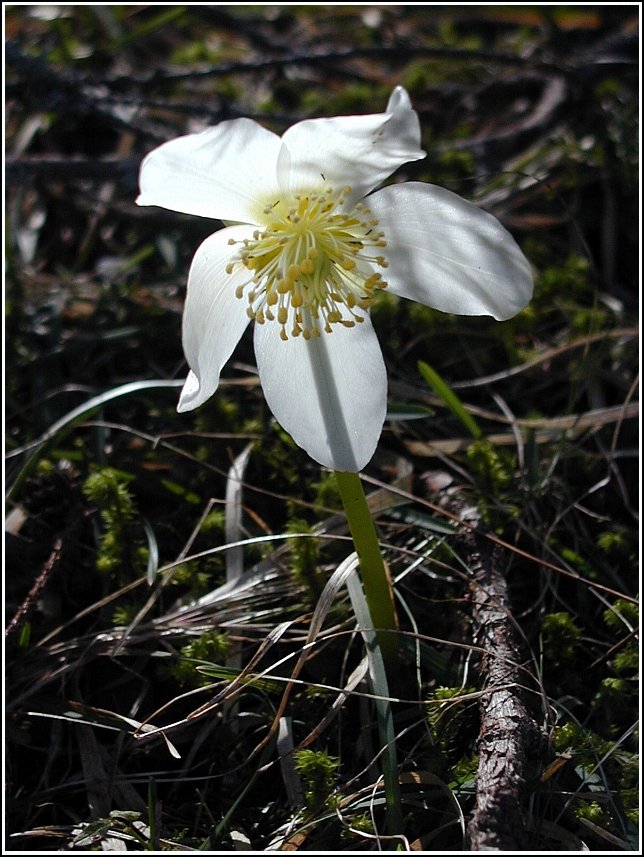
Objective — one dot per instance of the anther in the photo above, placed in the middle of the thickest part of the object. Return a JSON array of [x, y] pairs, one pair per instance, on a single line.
[[309, 265]]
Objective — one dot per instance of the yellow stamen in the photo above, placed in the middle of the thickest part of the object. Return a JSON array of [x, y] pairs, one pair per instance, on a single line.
[[313, 262]]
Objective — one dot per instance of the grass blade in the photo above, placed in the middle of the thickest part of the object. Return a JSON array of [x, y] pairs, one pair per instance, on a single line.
[[445, 392], [80, 413]]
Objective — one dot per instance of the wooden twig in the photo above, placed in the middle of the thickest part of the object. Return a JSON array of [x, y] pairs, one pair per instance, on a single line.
[[510, 743]]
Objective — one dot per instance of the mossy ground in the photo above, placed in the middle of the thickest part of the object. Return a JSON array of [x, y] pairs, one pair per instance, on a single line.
[[119, 520]]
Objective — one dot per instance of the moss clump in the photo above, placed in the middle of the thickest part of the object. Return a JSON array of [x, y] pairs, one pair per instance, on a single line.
[[305, 551], [318, 771], [453, 725], [327, 494], [121, 550], [587, 746], [622, 614], [491, 468], [616, 699], [211, 647], [591, 811], [357, 825], [561, 639], [125, 613]]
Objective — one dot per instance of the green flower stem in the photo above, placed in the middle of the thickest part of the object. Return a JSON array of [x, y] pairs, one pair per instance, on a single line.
[[375, 579]]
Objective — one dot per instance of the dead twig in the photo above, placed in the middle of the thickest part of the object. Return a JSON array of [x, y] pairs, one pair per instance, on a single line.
[[510, 743]]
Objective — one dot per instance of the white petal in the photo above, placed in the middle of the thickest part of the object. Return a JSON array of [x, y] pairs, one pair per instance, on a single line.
[[329, 393], [355, 151], [225, 172], [448, 254], [213, 318]]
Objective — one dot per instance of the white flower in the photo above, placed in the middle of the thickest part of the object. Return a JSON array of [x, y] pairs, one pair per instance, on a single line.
[[306, 246]]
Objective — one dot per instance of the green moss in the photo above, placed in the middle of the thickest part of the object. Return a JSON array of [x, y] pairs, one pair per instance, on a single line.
[[107, 487], [121, 550], [318, 772], [443, 693], [588, 320], [620, 613], [326, 493], [449, 723], [565, 290], [222, 415], [125, 613], [577, 561], [629, 782], [562, 639], [419, 76], [614, 703], [199, 577], [186, 494], [45, 467], [278, 462], [458, 162], [586, 746], [626, 662], [195, 52], [211, 647], [610, 542], [304, 559], [590, 811], [492, 468], [358, 824], [464, 771], [566, 280], [214, 522], [352, 99], [424, 319]]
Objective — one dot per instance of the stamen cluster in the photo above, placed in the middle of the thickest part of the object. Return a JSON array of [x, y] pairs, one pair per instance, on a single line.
[[308, 267]]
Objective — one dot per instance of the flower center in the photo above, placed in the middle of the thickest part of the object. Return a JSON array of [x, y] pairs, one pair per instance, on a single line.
[[311, 266]]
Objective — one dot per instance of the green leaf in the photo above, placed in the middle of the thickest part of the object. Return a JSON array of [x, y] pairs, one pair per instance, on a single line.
[[230, 674], [445, 392], [403, 413]]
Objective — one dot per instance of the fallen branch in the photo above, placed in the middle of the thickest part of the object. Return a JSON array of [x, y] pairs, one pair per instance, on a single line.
[[511, 746]]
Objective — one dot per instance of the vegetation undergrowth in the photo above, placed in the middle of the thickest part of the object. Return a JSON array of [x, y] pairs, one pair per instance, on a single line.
[[155, 698]]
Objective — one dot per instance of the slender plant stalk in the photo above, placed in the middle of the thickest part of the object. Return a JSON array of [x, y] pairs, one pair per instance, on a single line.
[[375, 579], [384, 714], [378, 601]]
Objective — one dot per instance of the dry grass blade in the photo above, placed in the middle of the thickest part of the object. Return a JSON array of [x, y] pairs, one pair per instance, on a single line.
[[292, 780], [354, 681], [226, 695], [542, 430], [325, 602], [549, 354], [234, 490]]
